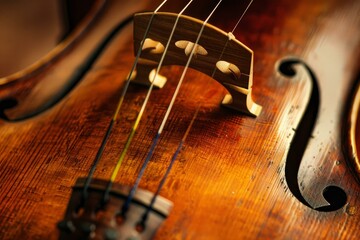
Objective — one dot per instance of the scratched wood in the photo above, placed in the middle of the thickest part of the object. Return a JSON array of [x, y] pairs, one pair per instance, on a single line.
[[229, 180]]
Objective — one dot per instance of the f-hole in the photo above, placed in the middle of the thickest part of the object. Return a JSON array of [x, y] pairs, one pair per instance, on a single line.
[[334, 195]]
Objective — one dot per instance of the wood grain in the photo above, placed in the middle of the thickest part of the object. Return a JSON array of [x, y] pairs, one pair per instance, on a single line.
[[229, 180]]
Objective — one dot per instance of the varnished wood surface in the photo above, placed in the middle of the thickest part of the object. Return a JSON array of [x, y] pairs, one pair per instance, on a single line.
[[229, 181]]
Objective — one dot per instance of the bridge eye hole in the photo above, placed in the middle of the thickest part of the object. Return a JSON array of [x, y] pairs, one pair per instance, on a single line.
[[229, 69], [188, 47], [153, 46]]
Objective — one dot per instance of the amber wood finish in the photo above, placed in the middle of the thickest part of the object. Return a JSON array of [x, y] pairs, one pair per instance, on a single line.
[[229, 181]]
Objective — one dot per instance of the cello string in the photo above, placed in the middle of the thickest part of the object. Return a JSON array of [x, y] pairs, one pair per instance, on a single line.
[[162, 182], [156, 138], [182, 142], [122, 96], [241, 17], [128, 80], [139, 116]]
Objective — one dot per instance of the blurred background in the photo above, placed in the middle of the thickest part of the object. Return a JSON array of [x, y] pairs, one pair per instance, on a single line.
[[30, 29]]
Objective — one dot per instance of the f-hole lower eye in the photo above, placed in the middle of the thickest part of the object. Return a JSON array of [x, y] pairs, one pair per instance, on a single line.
[[335, 196]]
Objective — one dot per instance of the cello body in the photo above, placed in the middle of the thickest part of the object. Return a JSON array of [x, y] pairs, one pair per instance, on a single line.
[[289, 173]]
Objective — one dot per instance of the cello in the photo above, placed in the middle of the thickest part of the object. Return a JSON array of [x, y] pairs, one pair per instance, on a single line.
[[281, 162]]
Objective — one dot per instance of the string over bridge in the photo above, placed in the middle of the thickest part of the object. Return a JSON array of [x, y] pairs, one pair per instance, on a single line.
[[218, 54]]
